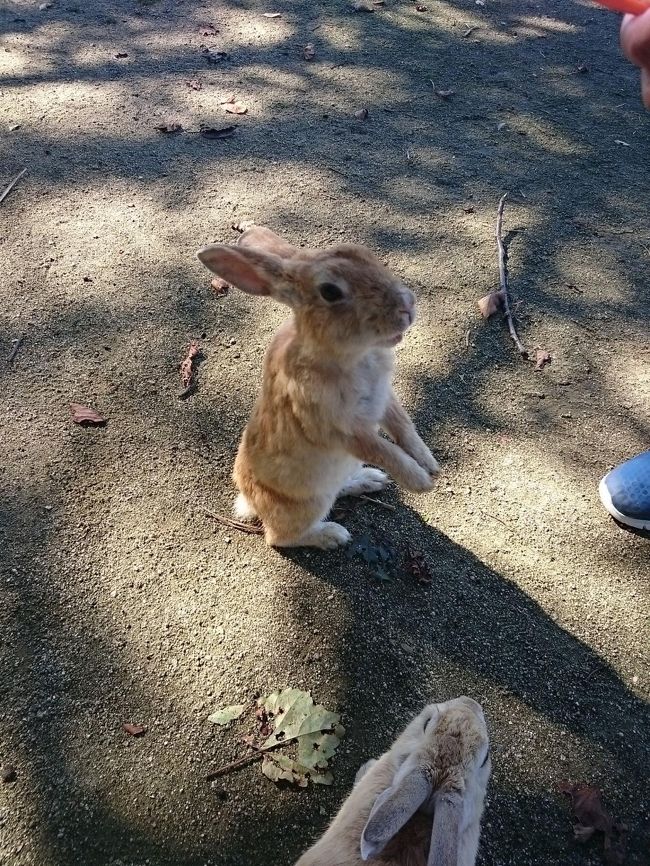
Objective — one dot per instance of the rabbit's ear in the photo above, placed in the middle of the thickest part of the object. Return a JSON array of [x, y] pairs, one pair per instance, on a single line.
[[392, 809], [445, 831], [249, 269]]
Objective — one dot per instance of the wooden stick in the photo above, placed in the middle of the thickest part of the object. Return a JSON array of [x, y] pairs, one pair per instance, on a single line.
[[17, 344], [503, 279], [377, 502], [12, 185], [250, 528], [234, 765]]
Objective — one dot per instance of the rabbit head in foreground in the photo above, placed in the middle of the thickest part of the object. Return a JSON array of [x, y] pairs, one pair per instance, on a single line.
[[422, 801], [342, 297]]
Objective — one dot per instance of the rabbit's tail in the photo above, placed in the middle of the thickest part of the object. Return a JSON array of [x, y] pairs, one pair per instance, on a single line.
[[243, 509]]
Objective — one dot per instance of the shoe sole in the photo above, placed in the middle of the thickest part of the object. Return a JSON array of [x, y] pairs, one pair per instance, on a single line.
[[606, 499]]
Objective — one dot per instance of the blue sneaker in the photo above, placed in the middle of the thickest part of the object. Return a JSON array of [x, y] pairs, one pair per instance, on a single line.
[[625, 492]]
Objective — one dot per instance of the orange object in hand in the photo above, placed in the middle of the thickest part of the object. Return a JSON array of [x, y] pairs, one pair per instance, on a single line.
[[629, 7]]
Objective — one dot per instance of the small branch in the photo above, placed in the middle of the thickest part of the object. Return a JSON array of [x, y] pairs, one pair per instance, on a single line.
[[17, 344], [250, 528], [12, 185], [235, 765], [249, 759], [503, 279], [377, 502]]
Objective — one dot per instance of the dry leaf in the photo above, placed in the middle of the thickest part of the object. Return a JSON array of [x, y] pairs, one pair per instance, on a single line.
[[84, 415], [583, 68], [120, 55], [542, 358], [188, 364], [221, 287], [592, 817], [208, 30], [194, 84], [363, 6], [213, 56], [134, 730], [220, 132], [444, 94], [235, 107], [272, 14], [169, 128], [362, 114], [416, 565], [490, 304], [7, 773], [227, 714], [309, 51], [229, 98]]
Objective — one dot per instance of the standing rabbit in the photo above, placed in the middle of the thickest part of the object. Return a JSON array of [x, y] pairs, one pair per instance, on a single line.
[[421, 802], [326, 387]]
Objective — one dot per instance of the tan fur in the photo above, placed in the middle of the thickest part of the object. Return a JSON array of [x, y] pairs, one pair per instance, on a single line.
[[449, 753], [326, 387]]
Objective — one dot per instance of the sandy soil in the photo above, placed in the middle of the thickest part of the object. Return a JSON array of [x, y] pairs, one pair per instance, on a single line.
[[122, 601]]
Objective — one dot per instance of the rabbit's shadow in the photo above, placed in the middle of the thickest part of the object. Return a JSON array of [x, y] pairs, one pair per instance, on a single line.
[[470, 631]]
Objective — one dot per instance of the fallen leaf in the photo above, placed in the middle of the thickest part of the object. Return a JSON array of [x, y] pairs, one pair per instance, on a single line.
[[208, 30], [14, 127], [218, 132], [235, 107], [362, 114], [188, 364], [227, 714], [501, 125], [469, 209], [309, 51], [416, 565], [264, 724], [84, 415], [134, 730], [213, 56], [272, 14], [280, 768], [490, 304], [194, 84], [583, 68], [592, 817], [363, 6], [444, 94], [221, 287], [7, 773], [542, 358], [378, 556], [44, 6], [480, 2], [169, 128], [120, 55], [620, 141], [294, 715]]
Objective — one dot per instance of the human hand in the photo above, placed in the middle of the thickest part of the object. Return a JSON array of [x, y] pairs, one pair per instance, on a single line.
[[635, 42]]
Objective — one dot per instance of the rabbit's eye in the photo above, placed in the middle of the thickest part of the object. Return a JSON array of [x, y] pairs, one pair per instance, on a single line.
[[330, 292]]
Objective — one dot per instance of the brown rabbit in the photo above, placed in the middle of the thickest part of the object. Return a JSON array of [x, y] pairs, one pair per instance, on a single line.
[[326, 387]]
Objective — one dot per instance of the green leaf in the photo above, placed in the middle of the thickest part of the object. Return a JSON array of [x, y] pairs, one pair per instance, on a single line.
[[227, 714], [295, 715], [315, 750], [280, 768]]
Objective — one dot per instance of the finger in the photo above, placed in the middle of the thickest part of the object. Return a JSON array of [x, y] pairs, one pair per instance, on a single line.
[[635, 39]]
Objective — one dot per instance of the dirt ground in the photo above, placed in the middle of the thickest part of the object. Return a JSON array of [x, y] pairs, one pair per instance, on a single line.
[[122, 601]]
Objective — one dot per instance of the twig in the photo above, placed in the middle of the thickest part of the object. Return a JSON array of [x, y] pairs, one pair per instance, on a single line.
[[12, 185], [377, 502], [469, 31], [503, 279], [249, 759], [17, 344], [235, 765], [467, 336], [250, 528]]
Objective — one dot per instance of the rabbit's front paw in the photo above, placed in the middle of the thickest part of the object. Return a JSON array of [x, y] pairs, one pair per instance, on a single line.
[[418, 480], [423, 457]]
